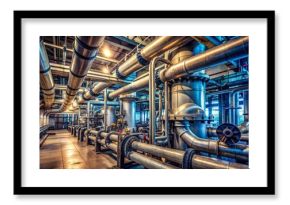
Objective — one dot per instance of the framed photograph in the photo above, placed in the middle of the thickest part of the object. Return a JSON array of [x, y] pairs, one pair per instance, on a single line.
[[144, 102]]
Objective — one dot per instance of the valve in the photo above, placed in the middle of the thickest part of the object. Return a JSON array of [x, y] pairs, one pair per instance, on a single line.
[[228, 133]]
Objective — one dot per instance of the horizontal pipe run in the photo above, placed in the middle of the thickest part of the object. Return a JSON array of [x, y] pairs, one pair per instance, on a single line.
[[212, 57], [111, 146], [232, 50], [167, 153], [138, 60], [202, 162], [133, 87], [149, 162]]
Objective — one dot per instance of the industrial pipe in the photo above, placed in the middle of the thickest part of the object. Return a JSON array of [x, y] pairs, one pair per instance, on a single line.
[[85, 51], [232, 50], [152, 87], [138, 60], [149, 162], [46, 79], [167, 153], [207, 145]]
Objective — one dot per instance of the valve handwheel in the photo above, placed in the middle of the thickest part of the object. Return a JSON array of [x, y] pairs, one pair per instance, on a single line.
[[228, 133]]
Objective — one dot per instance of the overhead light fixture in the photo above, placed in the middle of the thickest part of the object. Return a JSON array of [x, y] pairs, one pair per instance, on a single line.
[[107, 53]]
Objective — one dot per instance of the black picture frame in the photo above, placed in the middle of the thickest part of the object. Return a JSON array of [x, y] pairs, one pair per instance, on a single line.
[[268, 190]]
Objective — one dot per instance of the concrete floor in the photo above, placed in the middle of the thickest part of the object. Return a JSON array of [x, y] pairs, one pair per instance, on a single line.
[[63, 151]]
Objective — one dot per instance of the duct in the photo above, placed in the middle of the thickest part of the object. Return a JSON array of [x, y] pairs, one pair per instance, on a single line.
[[46, 79], [85, 51], [138, 60], [232, 50], [210, 146], [148, 162]]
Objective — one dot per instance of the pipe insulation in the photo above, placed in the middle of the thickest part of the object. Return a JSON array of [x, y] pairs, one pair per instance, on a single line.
[[85, 51], [46, 79], [138, 60]]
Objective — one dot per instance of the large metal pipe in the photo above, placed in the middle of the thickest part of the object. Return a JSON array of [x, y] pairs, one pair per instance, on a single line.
[[85, 51], [149, 162], [232, 50], [46, 79], [132, 87], [169, 154], [141, 58], [208, 145], [202, 162]]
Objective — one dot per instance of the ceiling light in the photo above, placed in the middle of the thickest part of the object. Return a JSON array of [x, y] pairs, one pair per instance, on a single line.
[[107, 53]]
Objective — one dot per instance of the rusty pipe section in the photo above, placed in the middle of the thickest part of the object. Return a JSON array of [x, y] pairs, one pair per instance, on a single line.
[[46, 79], [232, 50], [85, 51], [138, 60]]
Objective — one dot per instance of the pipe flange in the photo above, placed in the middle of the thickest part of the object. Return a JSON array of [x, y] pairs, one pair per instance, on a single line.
[[126, 144], [187, 158], [140, 59], [119, 75]]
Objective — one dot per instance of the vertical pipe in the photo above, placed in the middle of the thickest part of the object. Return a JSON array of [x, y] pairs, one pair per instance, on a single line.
[[210, 105], [221, 109], [152, 87], [246, 106], [88, 115], [236, 108], [105, 108], [166, 108], [160, 110], [79, 116]]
